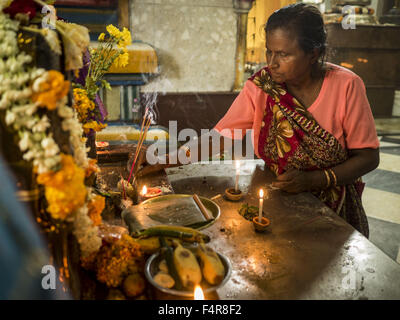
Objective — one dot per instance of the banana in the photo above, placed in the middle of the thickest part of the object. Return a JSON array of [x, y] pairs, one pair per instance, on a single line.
[[152, 244], [183, 233], [168, 253], [164, 280], [186, 266], [211, 266]]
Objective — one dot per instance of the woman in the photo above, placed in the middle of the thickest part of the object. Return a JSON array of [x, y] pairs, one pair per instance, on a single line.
[[311, 120]]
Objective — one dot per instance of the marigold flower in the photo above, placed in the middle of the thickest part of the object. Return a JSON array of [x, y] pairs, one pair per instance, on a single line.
[[123, 37], [82, 104], [65, 190], [122, 60], [126, 39], [93, 125], [95, 208], [101, 36], [113, 31], [92, 168], [49, 89], [115, 261]]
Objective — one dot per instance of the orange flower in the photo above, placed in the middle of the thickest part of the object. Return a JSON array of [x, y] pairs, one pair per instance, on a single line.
[[96, 126], [51, 89], [92, 168], [65, 190], [95, 208], [82, 104]]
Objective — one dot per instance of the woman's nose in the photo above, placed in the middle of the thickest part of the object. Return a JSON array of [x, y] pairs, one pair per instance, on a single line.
[[272, 63]]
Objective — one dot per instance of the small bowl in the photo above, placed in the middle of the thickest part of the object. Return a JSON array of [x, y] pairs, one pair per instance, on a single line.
[[231, 194], [151, 269], [101, 145], [152, 192], [261, 226]]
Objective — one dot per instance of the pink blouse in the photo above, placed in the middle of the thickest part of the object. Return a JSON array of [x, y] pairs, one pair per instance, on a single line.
[[341, 108]]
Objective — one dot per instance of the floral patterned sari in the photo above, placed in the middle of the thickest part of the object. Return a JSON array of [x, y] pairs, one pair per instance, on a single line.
[[291, 138]]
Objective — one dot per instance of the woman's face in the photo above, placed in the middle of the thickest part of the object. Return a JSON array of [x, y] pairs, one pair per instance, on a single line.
[[287, 62]]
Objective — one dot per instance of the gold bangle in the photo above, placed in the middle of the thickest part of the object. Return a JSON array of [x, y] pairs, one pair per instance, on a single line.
[[328, 179], [334, 177]]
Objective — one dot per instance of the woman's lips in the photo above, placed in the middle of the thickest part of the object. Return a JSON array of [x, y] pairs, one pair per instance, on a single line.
[[275, 75]]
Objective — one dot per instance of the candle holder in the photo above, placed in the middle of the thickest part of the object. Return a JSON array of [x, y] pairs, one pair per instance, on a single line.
[[151, 193], [261, 226], [233, 195]]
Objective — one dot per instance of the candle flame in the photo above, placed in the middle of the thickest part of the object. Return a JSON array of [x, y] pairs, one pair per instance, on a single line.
[[261, 193], [144, 190], [237, 164], [198, 293]]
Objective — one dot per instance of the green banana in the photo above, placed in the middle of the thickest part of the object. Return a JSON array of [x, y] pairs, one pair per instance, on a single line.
[[152, 244], [183, 233]]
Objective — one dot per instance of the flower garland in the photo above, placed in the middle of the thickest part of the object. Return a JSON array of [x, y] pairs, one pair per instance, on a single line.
[[23, 91]]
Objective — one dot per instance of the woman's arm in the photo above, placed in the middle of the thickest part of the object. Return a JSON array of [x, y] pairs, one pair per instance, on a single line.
[[191, 155], [361, 161]]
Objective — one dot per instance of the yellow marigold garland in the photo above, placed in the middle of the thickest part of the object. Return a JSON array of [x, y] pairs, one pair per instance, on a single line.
[[95, 208], [51, 89], [65, 189]]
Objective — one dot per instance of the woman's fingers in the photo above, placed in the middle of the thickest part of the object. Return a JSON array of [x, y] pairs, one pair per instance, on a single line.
[[288, 175], [281, 185]]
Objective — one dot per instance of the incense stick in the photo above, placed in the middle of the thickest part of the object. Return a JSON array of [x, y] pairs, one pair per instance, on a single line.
[[140, 144], [202, 207], [146, 123]]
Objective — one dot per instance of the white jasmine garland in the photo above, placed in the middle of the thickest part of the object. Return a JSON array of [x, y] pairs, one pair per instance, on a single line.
[[10, 117], [24, 142], [36, 144], [85, 232], [42, 125]]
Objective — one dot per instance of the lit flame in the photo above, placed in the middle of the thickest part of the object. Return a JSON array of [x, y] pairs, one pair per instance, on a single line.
[[144, 190], [237, 165], [261, 193], [198, 293]]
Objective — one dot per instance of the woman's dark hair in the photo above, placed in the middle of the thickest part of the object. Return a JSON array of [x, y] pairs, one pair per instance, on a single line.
[[306, 22]]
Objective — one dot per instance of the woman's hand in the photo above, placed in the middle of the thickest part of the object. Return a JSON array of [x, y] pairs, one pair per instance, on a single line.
[[149, 169], [295, 181]]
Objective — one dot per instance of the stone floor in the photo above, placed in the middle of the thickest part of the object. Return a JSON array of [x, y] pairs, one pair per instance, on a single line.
[[381, 198]]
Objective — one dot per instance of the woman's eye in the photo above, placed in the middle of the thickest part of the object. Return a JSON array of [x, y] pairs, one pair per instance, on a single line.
[[283, 54]]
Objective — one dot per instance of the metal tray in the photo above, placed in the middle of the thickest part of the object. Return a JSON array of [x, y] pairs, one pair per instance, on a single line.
[[210, 205]]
